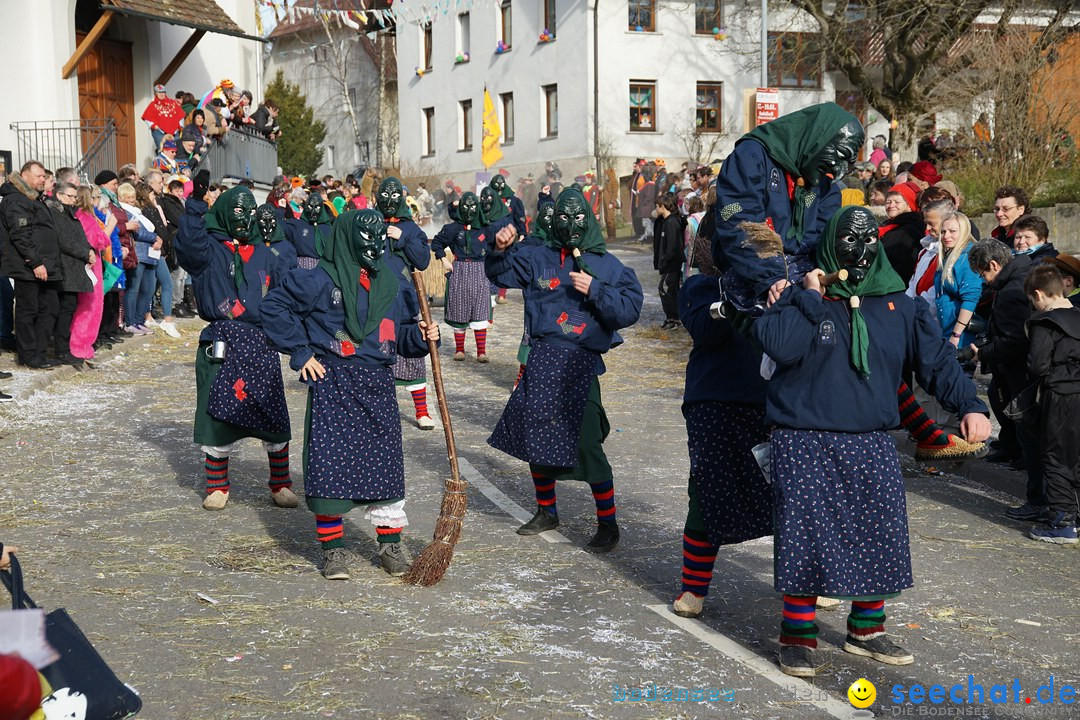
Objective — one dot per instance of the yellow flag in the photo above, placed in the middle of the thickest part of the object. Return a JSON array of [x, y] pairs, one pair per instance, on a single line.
[[490, 152]]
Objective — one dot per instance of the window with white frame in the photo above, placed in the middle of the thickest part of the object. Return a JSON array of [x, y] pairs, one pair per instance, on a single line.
[[428, 132], [463, 36], [550, 117], [466, 123], [506, 119]]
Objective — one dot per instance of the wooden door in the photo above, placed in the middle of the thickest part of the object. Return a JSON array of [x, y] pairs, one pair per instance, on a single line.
[[106, 90]]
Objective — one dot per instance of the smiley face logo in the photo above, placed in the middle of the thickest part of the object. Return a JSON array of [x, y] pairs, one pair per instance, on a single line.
[[862, 693]]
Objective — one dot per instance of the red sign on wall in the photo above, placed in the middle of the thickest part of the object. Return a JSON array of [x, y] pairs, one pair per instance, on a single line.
[[767, 105]]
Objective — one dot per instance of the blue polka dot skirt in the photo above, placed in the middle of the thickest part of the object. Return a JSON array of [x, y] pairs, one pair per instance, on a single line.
[[542, 420], [352, 448], [840, 514], [468, 293], [736, 502]]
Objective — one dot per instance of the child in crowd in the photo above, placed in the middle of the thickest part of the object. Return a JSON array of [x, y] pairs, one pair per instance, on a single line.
[[1054, 361]]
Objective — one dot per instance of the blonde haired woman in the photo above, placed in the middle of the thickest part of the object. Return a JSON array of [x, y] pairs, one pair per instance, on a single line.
[[958, 286]]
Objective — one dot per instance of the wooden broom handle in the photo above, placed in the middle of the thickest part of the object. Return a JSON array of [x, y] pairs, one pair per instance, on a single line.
[[436, 373], [832, 278]]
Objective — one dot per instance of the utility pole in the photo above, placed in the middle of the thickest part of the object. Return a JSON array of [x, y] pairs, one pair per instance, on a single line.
[[764, 80]]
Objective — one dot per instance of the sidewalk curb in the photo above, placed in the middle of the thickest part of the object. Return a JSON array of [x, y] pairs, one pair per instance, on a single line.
[[42, 380]]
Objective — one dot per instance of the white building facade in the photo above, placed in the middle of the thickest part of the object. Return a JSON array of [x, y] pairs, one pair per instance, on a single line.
[[630, 78], [301, 50], [135, 47]]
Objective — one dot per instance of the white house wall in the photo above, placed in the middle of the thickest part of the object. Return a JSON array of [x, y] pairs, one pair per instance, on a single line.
[[523, 70], [39, 38], [292, 54], [43, 32]]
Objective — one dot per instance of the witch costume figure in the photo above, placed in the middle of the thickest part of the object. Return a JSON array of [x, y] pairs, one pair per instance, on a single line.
[[774, 195], [239, 388], [724, 407], [309, 232], [468, 292], [840, 515], [577, 296], [343, 325], [408, 249], [511, 201], [271, 232]]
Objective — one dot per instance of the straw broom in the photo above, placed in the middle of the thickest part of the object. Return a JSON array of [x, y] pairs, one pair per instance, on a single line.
[[765, 243], [432, 563]]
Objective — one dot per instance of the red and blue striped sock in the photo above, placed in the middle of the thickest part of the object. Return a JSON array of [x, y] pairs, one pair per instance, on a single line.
[[915, 420], [502, 293], [217, 474], [419, 399], [545, 492], [797, 626], [279, 468], [521, 371], [481, 341], [330, 529], [866, 620], [699, 556], [388, 534], [604, 495], [459, 341]]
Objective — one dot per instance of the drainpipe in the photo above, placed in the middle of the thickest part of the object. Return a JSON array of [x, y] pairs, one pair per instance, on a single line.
[[596, 87]]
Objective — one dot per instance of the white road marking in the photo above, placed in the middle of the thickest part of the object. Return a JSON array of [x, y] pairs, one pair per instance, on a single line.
[[503, 501], [759, 665]]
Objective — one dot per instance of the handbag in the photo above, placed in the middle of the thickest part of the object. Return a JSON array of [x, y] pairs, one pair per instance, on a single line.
[[83, 684], [1025, 404], [110, 275]]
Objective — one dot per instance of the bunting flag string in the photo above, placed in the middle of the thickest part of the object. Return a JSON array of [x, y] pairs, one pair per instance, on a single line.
[[410, 11]]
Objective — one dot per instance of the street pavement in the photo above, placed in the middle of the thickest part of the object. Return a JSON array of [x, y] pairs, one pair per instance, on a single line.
[[225, 615]]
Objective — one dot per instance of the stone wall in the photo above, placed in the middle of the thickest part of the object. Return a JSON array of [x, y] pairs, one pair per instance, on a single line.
[[1063, 221]]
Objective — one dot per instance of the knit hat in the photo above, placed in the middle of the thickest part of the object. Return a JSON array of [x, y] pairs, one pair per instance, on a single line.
[[159, 88], [910, 193], [924, 170], [168, 145], [105, 176], [227, 83]]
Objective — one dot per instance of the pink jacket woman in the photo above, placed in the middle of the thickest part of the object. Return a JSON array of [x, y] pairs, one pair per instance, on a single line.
[[87, 318]]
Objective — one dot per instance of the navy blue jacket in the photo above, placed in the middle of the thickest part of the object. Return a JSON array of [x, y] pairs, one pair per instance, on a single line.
[[413, 243], [554, 310], [752, 188], [724, 366], [517, 214], [452, 236], [302, 235], [304, 315], [208, 258], [815, 386]]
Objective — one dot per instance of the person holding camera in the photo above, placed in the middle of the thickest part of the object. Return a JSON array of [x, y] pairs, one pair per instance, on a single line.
[[1003, 354]]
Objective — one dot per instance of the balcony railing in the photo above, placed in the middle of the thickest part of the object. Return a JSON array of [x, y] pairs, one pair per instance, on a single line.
[[242, 155], [88, 145]]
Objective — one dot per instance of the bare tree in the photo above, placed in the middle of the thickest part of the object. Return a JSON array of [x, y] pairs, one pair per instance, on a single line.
[[896, 55], [700, 145], [1027, 118]]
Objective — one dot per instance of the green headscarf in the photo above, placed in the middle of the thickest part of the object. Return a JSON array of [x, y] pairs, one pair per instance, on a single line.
[[498, 209], [538, 230], [593, 239], [880, 279], [217, 220], [279, 231], [794, 141], [339, 260], [401, 212]]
